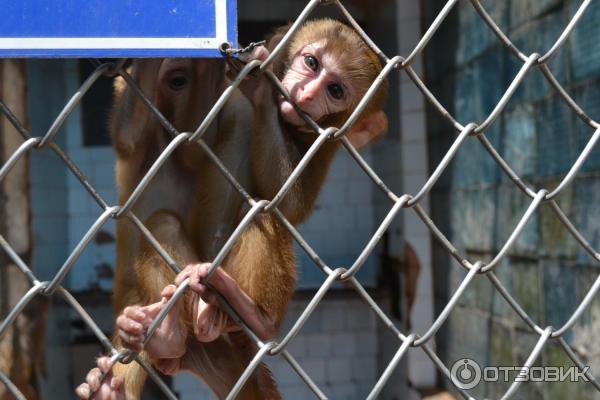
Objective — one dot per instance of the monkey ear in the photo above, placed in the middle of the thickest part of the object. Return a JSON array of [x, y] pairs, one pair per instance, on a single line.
[[274, 39], [119, 83], [367, 128]]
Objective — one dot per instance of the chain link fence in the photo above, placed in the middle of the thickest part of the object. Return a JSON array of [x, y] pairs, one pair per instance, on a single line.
[[466, 131]]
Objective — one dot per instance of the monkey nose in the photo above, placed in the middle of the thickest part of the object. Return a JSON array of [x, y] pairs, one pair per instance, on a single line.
[[305, 97]]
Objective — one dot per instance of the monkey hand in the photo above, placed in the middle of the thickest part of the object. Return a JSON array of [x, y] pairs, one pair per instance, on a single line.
[[110, 388], [257, 86], [259, 53], [168, 340], [210, 320]]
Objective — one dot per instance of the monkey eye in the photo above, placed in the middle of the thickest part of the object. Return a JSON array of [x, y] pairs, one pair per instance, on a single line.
[[335, 91], [311, 62], [178, 82]]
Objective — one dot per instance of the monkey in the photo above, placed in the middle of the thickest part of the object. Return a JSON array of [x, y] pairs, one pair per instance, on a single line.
[[261, 139], [189, 208]]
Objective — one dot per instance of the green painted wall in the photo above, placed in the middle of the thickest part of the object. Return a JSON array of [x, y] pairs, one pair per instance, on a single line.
[[477, 206]]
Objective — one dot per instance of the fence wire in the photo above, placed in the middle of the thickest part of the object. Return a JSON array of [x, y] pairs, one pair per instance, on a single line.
[[468, 131]]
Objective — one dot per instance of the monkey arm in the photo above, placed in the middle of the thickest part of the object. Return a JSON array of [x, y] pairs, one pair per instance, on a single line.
[[276, 149], [261, 275]]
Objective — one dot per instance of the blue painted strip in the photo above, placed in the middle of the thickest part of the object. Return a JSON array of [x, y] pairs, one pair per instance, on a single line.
[[110, 53], [108, 18], [116, 28]]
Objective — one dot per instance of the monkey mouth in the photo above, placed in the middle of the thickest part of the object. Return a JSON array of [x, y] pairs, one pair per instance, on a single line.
[[289, 113]]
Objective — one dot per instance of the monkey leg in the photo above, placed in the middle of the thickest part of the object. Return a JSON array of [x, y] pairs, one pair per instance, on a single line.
[[152, 276], [221, 363]]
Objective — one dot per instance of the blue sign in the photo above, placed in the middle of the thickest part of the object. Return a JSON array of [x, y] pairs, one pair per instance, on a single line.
[[116, 28]]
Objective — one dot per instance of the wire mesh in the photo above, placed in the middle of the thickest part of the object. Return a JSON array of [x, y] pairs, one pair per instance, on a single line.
[[469, 131]]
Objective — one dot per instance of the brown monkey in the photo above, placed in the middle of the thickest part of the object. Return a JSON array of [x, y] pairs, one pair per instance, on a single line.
[[196, 210], [190, 209]]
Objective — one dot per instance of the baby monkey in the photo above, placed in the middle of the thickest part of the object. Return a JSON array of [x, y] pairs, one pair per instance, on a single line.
[[327, 69]]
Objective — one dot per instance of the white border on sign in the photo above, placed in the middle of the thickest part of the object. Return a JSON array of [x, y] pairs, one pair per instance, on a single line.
[[127, 43]]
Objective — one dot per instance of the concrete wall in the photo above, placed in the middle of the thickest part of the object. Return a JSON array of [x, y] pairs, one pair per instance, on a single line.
[[477, 207]]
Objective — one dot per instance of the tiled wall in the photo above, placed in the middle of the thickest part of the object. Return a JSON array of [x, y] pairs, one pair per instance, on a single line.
[[415, 172], [337, 347]]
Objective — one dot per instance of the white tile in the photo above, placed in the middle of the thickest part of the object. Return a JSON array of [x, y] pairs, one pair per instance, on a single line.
[[414, 158], [315, 368], [332, 318], [79, 202], [413, 127], [319, 345], [340, 168], [339, 370], [365, 218], [361, 319], [296, 392], [364, 368], [361, 193], [408, 9], [342, 218], [103, 154], [333, 193], [422, 373], [297, 347], [409, 35], [344, 344], [285, 375], [412, 183], [104, 174], [411, 98], [366, 342], [413, 224]]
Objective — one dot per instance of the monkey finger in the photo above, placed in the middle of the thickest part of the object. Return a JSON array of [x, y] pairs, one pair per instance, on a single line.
[[135, 313], [133, 343], [196, 276], [258, 53], [117, 388], [106, 392], [168, 291], [152, 310], [83, 391], [104, 363], [198, 288], [129, 325], [184, 274], [93, 379]]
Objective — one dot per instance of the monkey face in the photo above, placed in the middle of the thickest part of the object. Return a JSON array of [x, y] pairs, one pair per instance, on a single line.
[[315, 83]]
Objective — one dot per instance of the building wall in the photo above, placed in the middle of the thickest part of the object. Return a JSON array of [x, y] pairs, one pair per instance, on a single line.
[[337, 348], [415, 172], [477, 206]]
